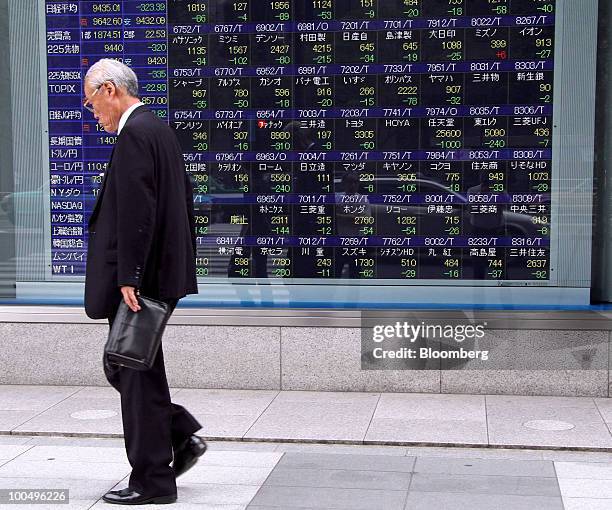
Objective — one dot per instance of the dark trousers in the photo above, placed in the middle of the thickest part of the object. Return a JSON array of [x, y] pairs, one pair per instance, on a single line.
[[152, 425]]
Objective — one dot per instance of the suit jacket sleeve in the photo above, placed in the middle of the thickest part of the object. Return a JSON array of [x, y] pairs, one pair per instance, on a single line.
[[136, 206]]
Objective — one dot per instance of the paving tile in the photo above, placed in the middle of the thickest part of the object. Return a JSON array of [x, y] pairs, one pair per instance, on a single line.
[[403, 406], [59, 420], [224, 413], [587, 504], [105, 442], [73, 504], [14, 439], [178, 505], [329, 397], [346, 461], [507, 417], [79, 489], [314, 420], [227, 475], [585, 488], [215, 494], [75, 454], [95, 400], [250, 446], [568, 414], [590, 470], [97, 392], [10, 451], [240, 459], [473, 484], [491, 467], [223, 426], [342, 449], [33, 398], [341, 478], [474, 453], [497, 403], [454, 501], [231, 472], [569, 409], [325, 498], [511, 431], [225, 402], [428, 431], [576, 456], [64, 469], [10, 420], [605, 408], [266, 507]]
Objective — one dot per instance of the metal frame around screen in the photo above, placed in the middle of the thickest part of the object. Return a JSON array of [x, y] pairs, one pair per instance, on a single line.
[[570, 256]]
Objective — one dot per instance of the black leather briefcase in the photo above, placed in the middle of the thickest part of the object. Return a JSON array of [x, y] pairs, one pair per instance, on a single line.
[[134, 338]]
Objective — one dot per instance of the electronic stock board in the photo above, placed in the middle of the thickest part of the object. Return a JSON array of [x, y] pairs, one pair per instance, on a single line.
[[357, 139]]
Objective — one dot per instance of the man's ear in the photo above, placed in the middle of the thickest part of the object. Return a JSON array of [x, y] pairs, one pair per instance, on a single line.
[[110, 88]]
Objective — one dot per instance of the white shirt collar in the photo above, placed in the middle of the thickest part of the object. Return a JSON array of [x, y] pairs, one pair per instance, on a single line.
[[126, 115]]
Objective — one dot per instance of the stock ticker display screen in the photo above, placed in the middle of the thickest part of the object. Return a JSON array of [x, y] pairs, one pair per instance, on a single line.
[[325, 139]]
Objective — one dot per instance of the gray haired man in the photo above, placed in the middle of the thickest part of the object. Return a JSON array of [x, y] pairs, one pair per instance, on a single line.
[[141, 241]]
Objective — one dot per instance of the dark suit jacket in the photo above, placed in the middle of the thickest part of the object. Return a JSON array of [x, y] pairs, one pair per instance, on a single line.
[[142, 230]]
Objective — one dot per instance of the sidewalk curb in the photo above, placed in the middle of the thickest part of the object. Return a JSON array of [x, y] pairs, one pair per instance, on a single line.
[[331, 442]]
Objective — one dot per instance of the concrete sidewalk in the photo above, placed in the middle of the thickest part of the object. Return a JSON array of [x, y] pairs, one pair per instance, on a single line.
[[580, 423], [278, 476], [269, 460]]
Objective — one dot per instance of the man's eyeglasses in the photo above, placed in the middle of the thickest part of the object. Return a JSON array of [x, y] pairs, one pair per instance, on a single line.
[[86, 101]]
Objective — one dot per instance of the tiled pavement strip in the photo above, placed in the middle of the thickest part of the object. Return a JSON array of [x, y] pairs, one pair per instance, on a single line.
[[503, 456]]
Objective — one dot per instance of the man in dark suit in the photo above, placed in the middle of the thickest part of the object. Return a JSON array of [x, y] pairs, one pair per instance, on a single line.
[[141, 241]]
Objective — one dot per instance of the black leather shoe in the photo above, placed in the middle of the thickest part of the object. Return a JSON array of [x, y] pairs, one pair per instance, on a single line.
[[129, 497], [187, 454], [120, 491]]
